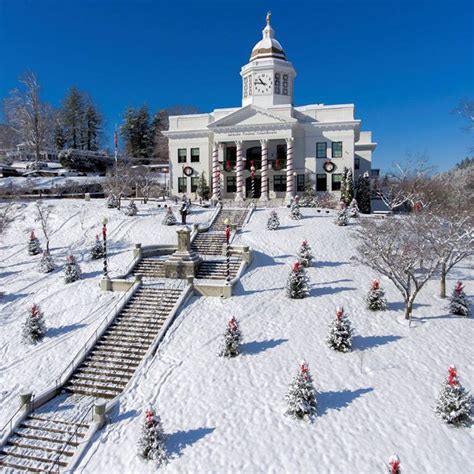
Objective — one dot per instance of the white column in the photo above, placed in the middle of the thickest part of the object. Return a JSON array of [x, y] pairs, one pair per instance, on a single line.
[[289, 169], [264, 174], [239, 195], [216, 173]]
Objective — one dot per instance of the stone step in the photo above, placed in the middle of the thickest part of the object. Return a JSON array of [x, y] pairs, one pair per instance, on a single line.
[[39, 426], [24, 464], [38, 435], [99, 384], [57, 421], [102, 364], [104, 372], [33, 455], [92, 392], [139, 351], [137, 345], [131, 339], [116, 355], [125, 332], [20, 443]]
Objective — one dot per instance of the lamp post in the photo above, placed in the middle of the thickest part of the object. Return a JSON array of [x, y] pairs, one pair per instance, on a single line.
[[252, 176], [104, 238], [227, 249]]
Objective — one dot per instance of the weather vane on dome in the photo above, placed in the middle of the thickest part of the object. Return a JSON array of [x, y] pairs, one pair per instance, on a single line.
[[269, 14]]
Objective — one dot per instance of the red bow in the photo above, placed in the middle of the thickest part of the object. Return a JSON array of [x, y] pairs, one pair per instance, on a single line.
[[375, 284], [395, 466], [296, 267], [339, 312], [452, 375]]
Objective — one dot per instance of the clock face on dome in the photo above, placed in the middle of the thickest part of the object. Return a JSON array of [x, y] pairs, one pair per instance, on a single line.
[[262, 83]]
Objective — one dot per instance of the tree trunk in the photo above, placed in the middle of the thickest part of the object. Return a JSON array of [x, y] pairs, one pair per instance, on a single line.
[[408, 309], [442, 292]]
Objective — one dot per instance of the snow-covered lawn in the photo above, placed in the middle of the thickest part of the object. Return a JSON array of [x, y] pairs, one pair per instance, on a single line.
[[72, 312], [226, 416]]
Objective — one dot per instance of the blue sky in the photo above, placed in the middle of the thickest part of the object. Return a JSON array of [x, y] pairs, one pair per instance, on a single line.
[[404, 64]]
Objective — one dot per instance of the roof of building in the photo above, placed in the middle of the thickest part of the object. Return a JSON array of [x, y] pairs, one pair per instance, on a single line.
[[268, 46]]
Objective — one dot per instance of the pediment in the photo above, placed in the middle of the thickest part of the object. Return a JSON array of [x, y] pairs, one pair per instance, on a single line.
[[252, 116]]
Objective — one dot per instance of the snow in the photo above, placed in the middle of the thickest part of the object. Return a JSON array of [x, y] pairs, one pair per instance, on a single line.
[[227, 415]]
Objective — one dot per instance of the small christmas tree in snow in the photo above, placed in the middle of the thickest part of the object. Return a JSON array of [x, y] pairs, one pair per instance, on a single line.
[[340, 335], [33, 244], [342, 217], [112, 201], [454, 404], [232, 339], [169, 218], [301, 396], [151, 445], [309, 193], [273, 222], [297, 283], [458, 303], [97, 250], [46, 264], [394, 464], [72, 271], [34, 329], [305, 254], [353, 209], [376, 297], [295, 212], [131, 209]]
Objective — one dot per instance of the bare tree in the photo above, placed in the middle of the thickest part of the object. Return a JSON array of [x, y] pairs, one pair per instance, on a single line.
[[28, 115], [398, 249], [44, 212], [465, 109], [6, 215], [118, 182], [145, 182]]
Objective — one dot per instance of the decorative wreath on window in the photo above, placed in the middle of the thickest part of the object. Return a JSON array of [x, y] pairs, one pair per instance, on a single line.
[[188, 171], [277, 165], [329, 166]]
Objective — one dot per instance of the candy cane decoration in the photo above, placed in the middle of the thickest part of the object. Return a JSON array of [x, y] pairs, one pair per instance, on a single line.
[[216, 174], [240, 172], [264, 194], [289, 167]]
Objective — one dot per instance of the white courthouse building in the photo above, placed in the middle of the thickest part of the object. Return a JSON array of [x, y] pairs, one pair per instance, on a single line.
[[267, 137]]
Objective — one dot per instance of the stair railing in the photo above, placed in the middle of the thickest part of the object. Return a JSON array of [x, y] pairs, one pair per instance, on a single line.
[[9, 423]]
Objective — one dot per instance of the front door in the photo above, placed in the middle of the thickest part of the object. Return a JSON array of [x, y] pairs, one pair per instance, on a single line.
[[257, 187]]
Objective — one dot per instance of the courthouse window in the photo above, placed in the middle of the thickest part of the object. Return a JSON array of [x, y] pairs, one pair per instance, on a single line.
[[182, 185], [181, 155], [337, 149], [194, 155], [321, 182], [321, 150], [279, 183], [336, 182]]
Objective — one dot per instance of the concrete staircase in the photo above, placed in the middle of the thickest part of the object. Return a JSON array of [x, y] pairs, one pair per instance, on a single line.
[[235, 216], [40, 444], [150, 267], [110, 365], [217, 269], [208, 244]]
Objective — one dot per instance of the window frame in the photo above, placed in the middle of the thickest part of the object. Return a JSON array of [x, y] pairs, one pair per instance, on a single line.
[[194, 187], [233, 187], [300, 182], [333, 154], [356, 163], [277, 83], [182, 184], [333, 175], [180, 160], [319, 177], [193, 160], [279, 187], [325, 150]]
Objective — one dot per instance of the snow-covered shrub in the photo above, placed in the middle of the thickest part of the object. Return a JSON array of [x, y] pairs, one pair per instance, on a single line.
[[301, 395], [295, 212], [151, 444], [459, 303], [454, 403], [232, 339], [169, 218], [340, 335], [305, 254], [131, 209], [97, 250], [342, 217], [112, 201], [72, 271], [34, 329], [353, 209], [297, 283], [376, 297], [33, 244], [46, 264], [273, 221]]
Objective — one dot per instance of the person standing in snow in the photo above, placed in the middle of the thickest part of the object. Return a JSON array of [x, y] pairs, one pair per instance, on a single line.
[[184, 212]]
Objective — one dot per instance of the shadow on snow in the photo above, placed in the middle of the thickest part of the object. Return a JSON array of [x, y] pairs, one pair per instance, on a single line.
[[255, 347], [363, 343], [180, 440], [337, 400]]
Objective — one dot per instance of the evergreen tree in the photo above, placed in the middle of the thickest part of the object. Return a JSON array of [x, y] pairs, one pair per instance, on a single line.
[[131, 209], [340, 335], [363, 193], [454, 404], [160, 123], [97, 250], [72, 271], [394, 464], [112, 201], [297, 283], [151, 444], [169, 218], [273, 221], [33, 244], [344, 185], [295, 212], [459, 303], [73, 114], [34, 328], [202, 187], [301, 396], [349, 191], [309, 193], [46, 265], [342, 217], [232, 339], [92, 127], [305, 254], [59, 136], [353, 209], [375, 298], [137, 133]]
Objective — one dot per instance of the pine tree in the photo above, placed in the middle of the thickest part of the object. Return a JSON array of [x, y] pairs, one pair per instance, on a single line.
[[169, 218], [349, 193], [454, 404], [363, 193], [342, 217], [202, 187], [232, 339], [344, 185], [394, 464], [97, 250], [151, 444], [297, 283], [34, 328], [73, 114], [33, 244], [273, 221], [340, 335], [353, 209], [137, 133], [301, 396], [305, 254], [92, 127], [459, 303], [112, 201], [375, 298], [131, 209], [46, 264], [295, 212], [309, 193], [72, 271]]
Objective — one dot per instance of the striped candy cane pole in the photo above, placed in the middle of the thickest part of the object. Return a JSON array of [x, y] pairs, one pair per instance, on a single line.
[[239, 196], [216, 173], [264, 193], [289, 169]]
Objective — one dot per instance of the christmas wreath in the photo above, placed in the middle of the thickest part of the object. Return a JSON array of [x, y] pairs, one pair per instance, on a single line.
[[329, 166], [188, 171]]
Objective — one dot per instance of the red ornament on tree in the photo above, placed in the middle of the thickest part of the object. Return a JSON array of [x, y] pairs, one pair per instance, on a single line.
[[232, 324], [394, 464], [304, 369], [375, 284], [149, 417], [34, 311], [459, 288], [452, 375], [296, 267], [339, 312]]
